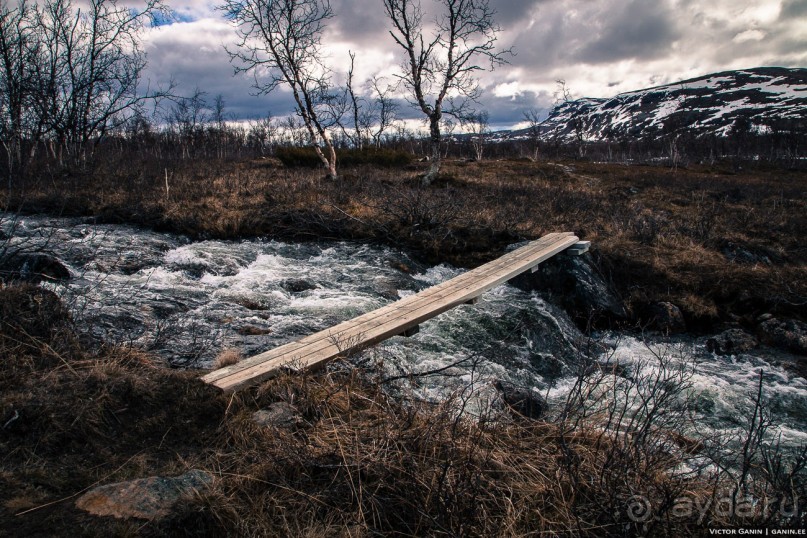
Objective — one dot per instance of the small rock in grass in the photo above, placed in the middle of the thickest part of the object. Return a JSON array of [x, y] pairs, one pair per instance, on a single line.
[[278, 415], [146, 498]]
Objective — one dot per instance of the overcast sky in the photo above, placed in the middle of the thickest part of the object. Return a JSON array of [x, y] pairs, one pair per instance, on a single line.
[[599, 47]]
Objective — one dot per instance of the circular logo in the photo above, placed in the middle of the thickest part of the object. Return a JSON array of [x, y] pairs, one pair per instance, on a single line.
[[639, 509]]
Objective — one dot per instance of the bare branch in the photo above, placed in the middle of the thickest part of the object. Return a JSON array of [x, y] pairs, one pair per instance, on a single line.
[[283, 39], [441, 70]]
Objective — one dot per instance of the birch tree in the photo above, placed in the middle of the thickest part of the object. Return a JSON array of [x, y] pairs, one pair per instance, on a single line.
[[282, 39], [439, 70], [69, 74]]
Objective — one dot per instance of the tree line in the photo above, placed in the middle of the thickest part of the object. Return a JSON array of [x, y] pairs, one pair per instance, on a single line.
[[71, 79], [68, 76], [71, 76]]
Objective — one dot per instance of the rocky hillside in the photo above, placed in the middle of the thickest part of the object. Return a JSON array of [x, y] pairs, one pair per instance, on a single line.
[[759, 100]]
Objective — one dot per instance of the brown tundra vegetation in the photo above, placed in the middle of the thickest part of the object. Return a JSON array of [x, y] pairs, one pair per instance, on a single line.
[[723, 244]]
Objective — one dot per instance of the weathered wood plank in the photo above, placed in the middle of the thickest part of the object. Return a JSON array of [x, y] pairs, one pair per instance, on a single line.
[[391, 320]]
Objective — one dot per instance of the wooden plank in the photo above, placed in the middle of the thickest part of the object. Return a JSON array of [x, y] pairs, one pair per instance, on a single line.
[[579, 248], [328, 344], [404, 305], [391, 320]]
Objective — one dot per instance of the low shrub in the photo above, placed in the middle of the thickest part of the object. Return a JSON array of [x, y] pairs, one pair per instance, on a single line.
[[296, 157]]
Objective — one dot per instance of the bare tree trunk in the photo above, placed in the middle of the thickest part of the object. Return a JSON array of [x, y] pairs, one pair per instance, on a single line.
[[467, 33], [331, 162], [436, 157]]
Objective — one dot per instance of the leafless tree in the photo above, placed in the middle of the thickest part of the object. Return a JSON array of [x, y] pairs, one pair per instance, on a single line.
[[262, 133], [562, 93], [70, 74], [439, 71], [370, 116], [219, 118], [447, 134], [533, 118], [293, 131], [20, 47], [385, 110], [478, 127], [187, 118], [359, 118], [98, 60], [563, 96], [284, 37]]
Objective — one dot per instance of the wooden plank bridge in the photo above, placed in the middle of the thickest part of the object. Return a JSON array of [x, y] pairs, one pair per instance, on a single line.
[[399, 318]]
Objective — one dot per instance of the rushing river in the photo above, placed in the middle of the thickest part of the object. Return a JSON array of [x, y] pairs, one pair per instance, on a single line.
[[188, 301]]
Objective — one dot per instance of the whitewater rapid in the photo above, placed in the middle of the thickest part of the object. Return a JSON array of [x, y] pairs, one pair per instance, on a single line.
[[187, 301]]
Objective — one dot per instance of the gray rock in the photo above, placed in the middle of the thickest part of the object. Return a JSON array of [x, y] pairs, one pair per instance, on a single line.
[[575, 284], [667, 318], [389, 293], [790, 335], [522, 400], [386, 288], [737, 254], [731, 341], [277, 415], [146, 498], [297, 285], [33, 268]]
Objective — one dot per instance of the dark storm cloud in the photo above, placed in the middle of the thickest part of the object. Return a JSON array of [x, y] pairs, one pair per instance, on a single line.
[[364, 21], [793, 9], [634, 30], [507, 111], [512, 11], [359, 21], [600, 47], [545, 43], [198, 60]]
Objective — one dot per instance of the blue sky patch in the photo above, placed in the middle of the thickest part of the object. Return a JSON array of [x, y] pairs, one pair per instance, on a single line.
[[163, 19]]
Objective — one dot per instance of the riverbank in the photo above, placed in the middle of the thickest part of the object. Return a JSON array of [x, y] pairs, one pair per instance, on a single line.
[[96, 431], [721, 245]]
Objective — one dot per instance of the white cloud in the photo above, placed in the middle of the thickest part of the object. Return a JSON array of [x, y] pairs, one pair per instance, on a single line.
[[600, 47], [749, 35], [507, 89]]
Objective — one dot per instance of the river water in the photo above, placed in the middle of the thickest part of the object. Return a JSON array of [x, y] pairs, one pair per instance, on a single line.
[[188, 301]]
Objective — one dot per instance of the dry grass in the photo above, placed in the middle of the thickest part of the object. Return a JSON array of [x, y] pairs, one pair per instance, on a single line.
[[718, 243], [356, 462], [227, 357]]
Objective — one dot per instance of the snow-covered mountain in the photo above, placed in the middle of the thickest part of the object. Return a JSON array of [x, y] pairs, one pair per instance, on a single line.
[[752, 100]]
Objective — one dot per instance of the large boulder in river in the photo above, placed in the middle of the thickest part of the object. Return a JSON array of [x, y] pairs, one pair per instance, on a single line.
[[667, 318], [730, 342], [522, 400], [32, 268], [790, 334], [297, 285], [574, 283]]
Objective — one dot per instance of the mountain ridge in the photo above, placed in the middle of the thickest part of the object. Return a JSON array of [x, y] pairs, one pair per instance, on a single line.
[[758, 100]]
